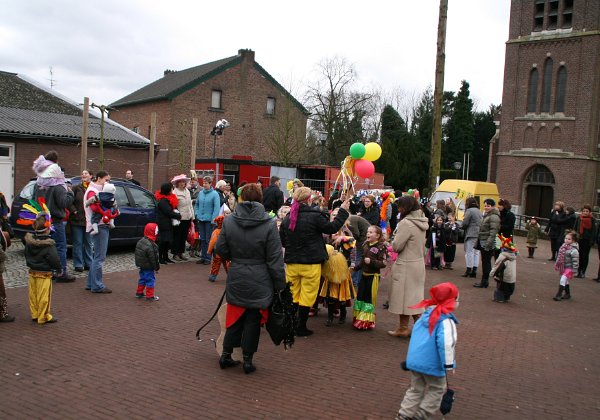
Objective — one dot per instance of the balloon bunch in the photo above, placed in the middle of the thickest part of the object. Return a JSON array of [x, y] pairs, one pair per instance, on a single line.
[[358, 164]]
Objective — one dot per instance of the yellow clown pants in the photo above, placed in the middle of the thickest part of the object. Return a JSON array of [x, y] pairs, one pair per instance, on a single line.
[[40, 293], [304, 282]]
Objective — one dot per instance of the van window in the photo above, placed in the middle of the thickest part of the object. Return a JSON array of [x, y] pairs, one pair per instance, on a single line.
[[442, 195]]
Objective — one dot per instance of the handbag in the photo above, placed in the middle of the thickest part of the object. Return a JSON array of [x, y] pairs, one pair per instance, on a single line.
[[447, 399], [282, 318]]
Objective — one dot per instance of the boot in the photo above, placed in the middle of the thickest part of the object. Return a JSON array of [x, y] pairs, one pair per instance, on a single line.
[[473, 274], [530, 251], [248, 366], [330, 315], [301, 330], [558, 296], [4, 316], [567, 294], [226, 361], [402, 330], [342, 314], [483, 284], [468, 272]]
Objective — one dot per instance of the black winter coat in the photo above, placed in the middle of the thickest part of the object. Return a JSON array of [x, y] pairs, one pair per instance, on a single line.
[[164, 215], [272, 198], [556, 224], [58, 200], [40, 253], [250, 241], [371, 214], [146, 255], [507, 223], [305, 245]]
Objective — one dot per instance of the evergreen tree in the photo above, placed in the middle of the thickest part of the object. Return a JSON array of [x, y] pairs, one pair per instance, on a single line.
[[421, 128], [459, 128]]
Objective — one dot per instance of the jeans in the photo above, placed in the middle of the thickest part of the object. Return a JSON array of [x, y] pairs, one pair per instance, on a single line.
[[357, 275], [60, 237], [205, 231], [82, 247], [471, 254], [100, 241]]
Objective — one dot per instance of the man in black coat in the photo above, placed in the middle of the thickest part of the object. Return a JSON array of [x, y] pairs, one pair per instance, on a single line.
[[301, 235], [273, 196]]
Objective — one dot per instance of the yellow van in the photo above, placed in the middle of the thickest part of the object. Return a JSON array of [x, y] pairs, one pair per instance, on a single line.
[[459, 190]]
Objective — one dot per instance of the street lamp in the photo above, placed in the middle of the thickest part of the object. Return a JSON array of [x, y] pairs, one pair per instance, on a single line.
[[217, 131], [457, 166], [322, 141]]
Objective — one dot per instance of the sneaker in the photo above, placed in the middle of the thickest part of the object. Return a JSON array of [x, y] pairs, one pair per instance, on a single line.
[[65, 278], [105, 290], [152, 299], [139, 295], [212, 278], [79, 269]]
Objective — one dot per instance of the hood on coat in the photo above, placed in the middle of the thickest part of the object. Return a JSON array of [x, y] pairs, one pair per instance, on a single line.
[[250, 213], [418, 219], [151, 231], [37, 244]]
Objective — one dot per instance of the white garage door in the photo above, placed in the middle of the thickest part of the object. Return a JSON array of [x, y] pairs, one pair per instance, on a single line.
[[7, 171]]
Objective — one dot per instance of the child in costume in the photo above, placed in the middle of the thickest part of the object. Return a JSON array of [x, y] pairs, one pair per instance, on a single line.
[[451, 232], [504, 271], [148, 261], [41, 257], [104, 208], [431, 352], [374, 257], [436, 242], [337, 289], [217, 260], [567, 262], [534, 230]]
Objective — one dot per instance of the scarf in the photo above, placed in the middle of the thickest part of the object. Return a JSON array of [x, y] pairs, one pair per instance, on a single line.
[[560, 260], [171, 198], [383, 212], [586, 223], [294, 214], [443, 296]]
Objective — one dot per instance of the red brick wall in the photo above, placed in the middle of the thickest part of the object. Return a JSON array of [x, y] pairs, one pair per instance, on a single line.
[[117, 160], [565, 143]]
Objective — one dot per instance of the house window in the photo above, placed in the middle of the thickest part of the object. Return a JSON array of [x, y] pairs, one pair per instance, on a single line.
[[547, 85], [567, 14], [270, 106], [538, 15], [552, 15], [136, 129], [561, 89], [532, 92], [216, 99]]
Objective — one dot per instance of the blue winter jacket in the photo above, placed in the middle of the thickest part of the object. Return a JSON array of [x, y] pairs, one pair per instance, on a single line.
[[207, 205], [432, 354]]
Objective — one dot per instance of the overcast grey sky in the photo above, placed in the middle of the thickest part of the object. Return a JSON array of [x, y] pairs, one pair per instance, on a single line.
[[111, 48]]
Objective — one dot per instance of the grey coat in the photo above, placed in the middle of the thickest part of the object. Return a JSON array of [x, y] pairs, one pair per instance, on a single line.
[[471, 222], [490, 226], [249, 239]]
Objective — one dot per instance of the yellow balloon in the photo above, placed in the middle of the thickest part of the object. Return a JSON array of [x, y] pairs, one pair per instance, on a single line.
[[373, 151]]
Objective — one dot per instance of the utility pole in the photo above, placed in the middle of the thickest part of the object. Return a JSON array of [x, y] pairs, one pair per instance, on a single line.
[[151, 151], [194, 142], [436, 135], [102, 109], [84, 133]]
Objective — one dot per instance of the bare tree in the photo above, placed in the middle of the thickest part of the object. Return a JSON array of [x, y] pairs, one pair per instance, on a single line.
[[337, 109]]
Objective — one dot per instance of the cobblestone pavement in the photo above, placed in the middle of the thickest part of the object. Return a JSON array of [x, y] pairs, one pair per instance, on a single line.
[[113, 356]]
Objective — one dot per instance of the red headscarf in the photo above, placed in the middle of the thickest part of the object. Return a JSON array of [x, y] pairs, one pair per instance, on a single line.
[[151, 231], [443, 296]]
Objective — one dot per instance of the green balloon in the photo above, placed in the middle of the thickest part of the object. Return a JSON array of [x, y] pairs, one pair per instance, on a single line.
[[357, 150]]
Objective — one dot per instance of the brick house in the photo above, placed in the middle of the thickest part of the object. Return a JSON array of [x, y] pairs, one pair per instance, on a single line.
[[237, 89], [34, 120], [547, 147]]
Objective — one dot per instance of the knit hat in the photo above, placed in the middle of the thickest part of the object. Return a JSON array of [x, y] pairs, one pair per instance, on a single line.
[[385, 195], [109, 188], [443, 296]]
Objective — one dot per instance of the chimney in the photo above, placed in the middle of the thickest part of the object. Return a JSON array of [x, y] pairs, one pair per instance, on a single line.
[[247, 54], [169, 72]]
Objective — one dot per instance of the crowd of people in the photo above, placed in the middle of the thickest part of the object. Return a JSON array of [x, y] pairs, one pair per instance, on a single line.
[[330, 253]]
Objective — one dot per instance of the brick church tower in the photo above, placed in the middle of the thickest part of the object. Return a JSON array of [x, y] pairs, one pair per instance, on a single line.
[[547, 148]]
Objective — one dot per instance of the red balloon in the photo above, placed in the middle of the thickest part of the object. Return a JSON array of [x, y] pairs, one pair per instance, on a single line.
[[364, 168]]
